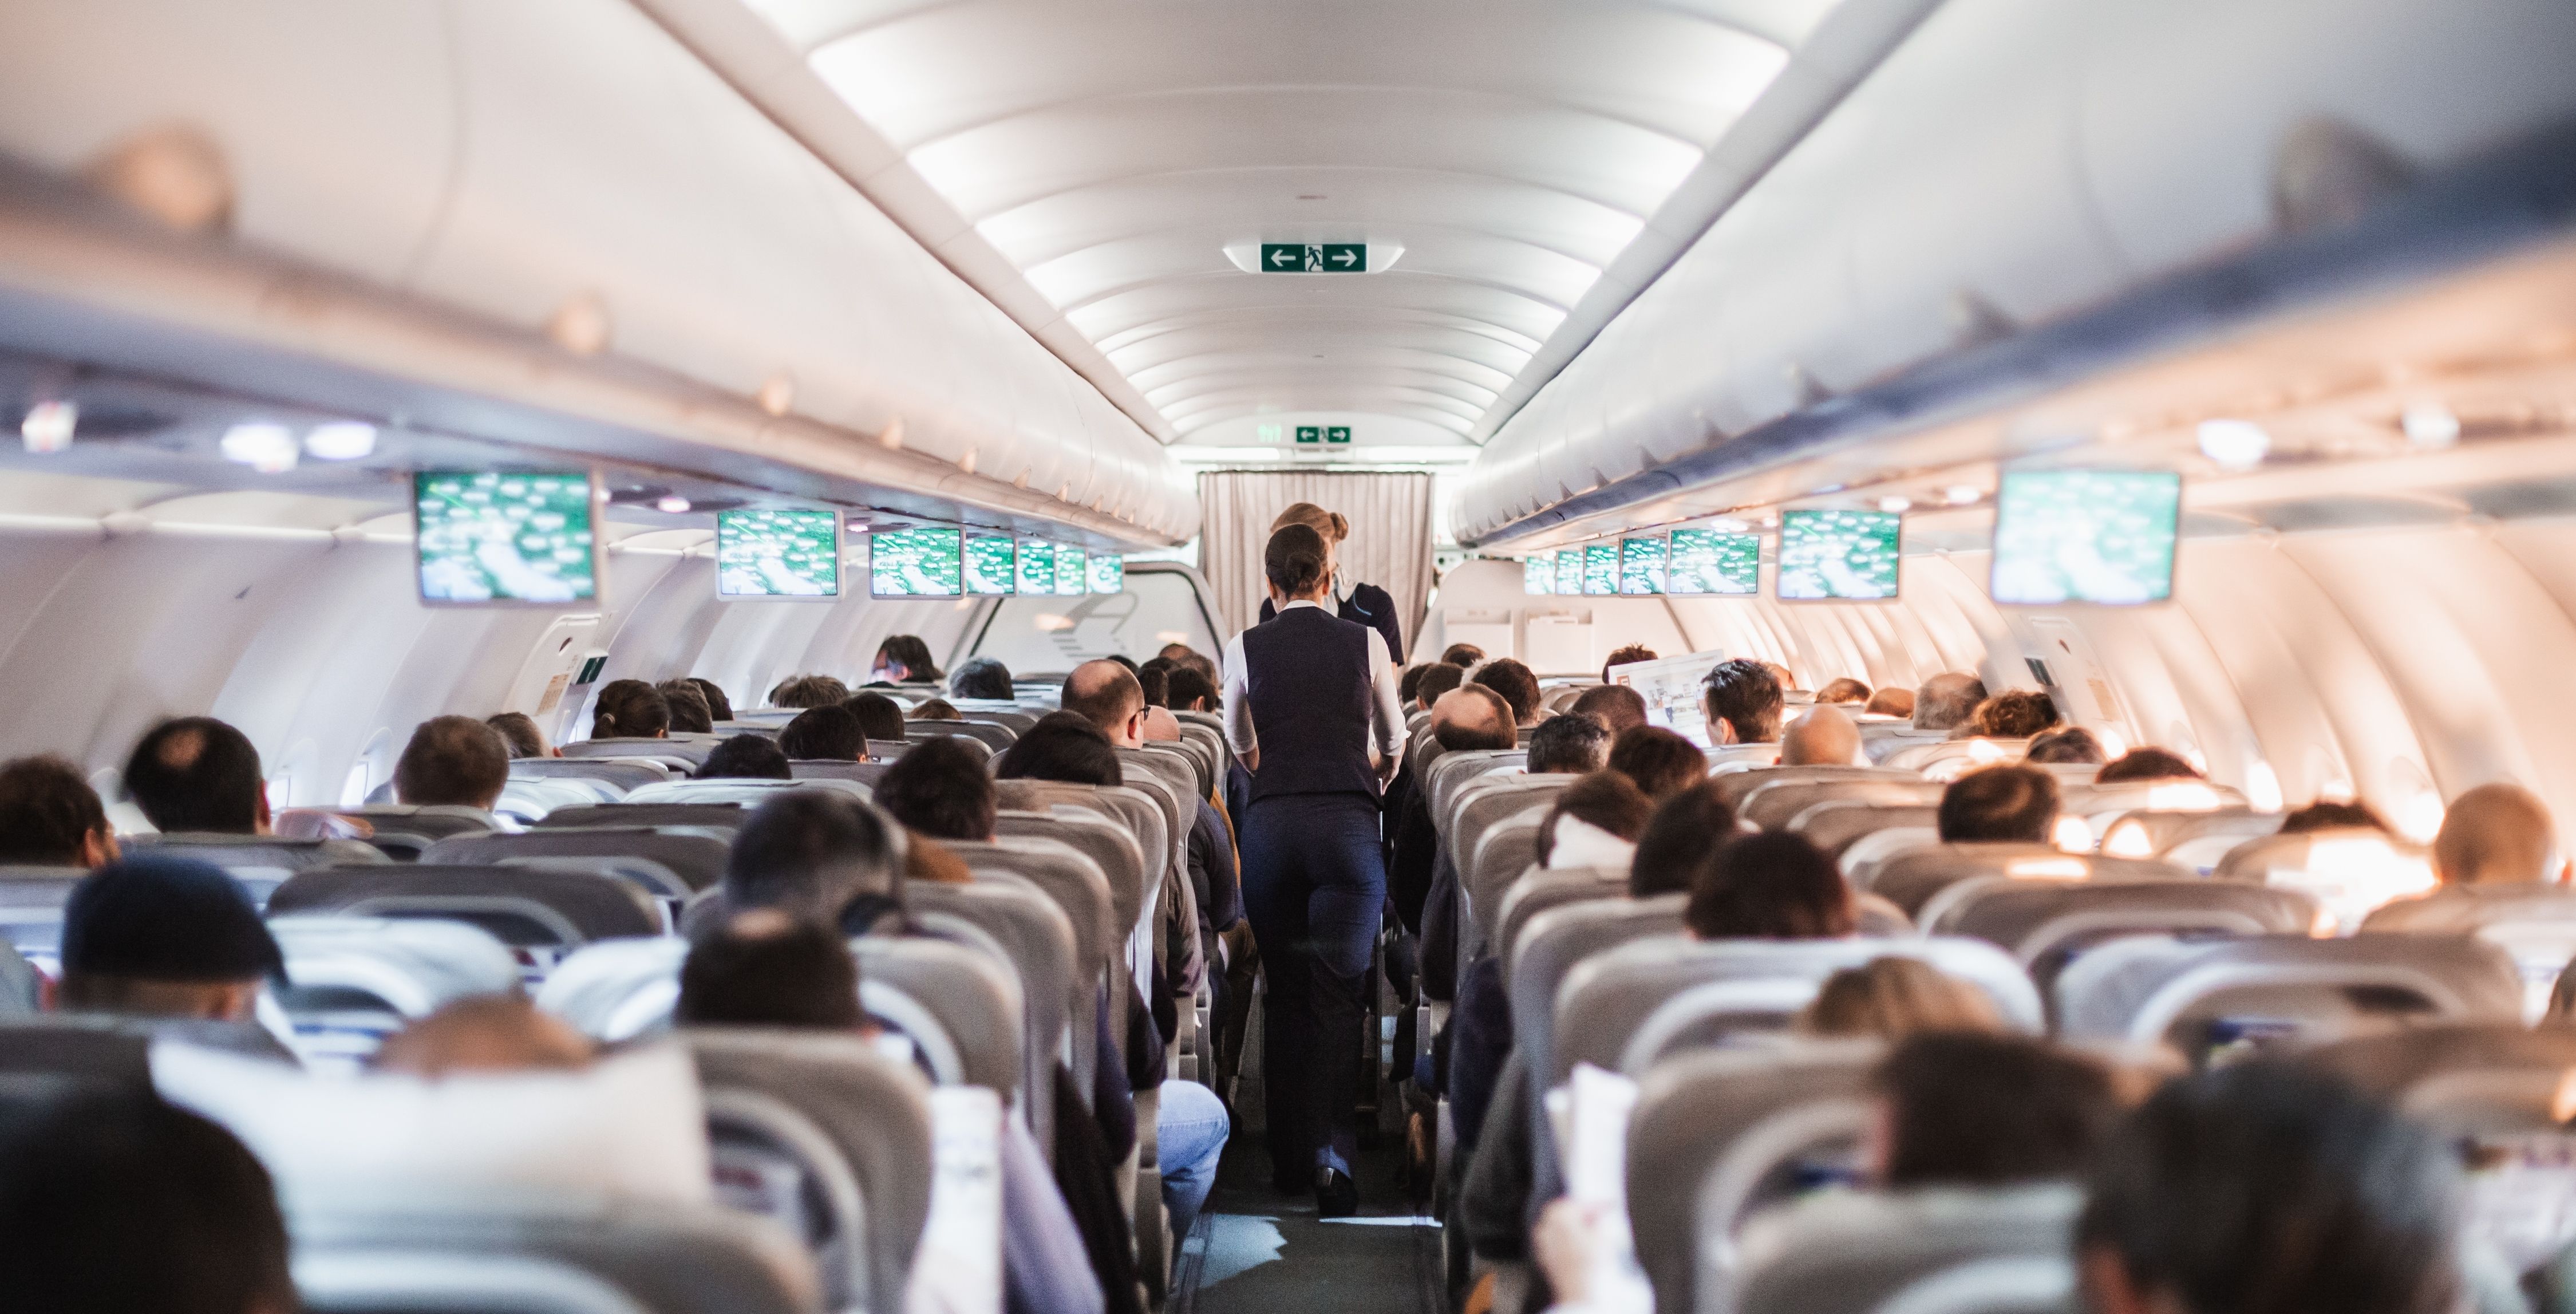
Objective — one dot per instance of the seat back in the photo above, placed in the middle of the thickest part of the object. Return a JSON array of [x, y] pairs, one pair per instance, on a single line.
[[739, 794], [992, 735], [696, 854], [1136, 811], [725, 817], [352, 981], [832, 768], [2348, 872], [2535, 923], [1444, 775], [1173, 785], [113, 1048], [2197, 840], [531, 908], [1775, 804], [1480, 803], [1836, 824], [1913, 879], [2224, 996], [2042, 924], [427, 822], [259, 862], [1916, 1252], [1548, 888], [1737, 786], [624, 772], [1506, 852], [2466, 1079], [1024, 927], [1549, 949], [31, 908], [963, 1009], [1945, 759], [1111, 849], [691, 751]]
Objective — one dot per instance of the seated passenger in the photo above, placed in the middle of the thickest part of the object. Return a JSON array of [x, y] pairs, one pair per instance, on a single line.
[[519, 730], [1627, 655], [1176, 652], [809, 691], [1616, 706], [690, 714], [2323, 815], [1594, 823], [114, 1201], [1462, 655], [1773, 886], [50, 817], [1947, 701], [940, 790], [1466, 717], [2270, 1186], [936, 709], [880, 718], [485, 1034], [453, 760], [2147, 764], [1572, 744], [1408, 682], [1895, 997], [1517, 686], [1155, 678], [629, 709], [1788, 680], [1061, 746], [981, 677], [198, 775], [1890, 701], [746, 757], [1677, 838], [1843, 689], [1660, 761], [164, 937], [2066, 745], [719, 707], [1437, 679], [825, 734], [824, 856], [904, 659], [1822, 737], [1999, 804], [2498, 834], [1191, 691], [2013, 714], [1104, 694], [1980, 1109], [1473, 716], [1741, 701]]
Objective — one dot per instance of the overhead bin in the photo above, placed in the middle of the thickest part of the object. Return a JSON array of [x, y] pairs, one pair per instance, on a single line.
[[463, 176]]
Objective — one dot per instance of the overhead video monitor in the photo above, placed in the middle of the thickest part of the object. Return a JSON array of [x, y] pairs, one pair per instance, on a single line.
[[2102, 536], [1538, 573], [489, 538], [1072, 571], [1601, 567], [1710, 562], [992, 564], [1569, 570], [1108, 574], [1641, 565], [1844, 555], [922, 562], [789, 553], [1037, 566]]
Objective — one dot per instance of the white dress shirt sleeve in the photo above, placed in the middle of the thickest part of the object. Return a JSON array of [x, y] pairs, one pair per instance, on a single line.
[[1238, 707], [1386, 708]]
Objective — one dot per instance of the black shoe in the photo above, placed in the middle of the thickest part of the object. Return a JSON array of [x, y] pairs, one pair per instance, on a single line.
[[1336, 1195]]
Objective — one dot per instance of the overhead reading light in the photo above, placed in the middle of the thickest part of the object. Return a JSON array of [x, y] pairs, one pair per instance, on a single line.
[[2234, 444], [267, 448], [49, 425], [341, 440], [673, 505], [2430, 424]]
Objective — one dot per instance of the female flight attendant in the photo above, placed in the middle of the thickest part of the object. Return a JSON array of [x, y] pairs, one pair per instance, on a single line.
[[1310, 710], [1366, 603]]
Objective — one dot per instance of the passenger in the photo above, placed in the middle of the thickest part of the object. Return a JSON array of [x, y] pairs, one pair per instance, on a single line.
[[1517, 686], [1206, 668], [2497, 834], [164, 937], [50, 817], [1156, 682], [1437, 679], [1467, 717], [1061, 746], [1464, 656], [1192, 692], [113, 1201], [1366, 604], [1678, 837], [1625, 656], [1999, 804], [812, 854], [2147, 764], [746, 757], [1105, 694], [1843, 689], [2322, 815], [690, 714], [880, 717], [809, 691], [1595, 822], [519, 730], [1742, 700], [1979, 1109], [2065, 745], [1782, 674], [1660, 761], [2270, 1186], [1473, 716], [984, 678], [198, 775], [485, 1034], [904, 659], [1773, 886], [1822, 737], [936, 709], [1947, 701], [629, 709], [939, 789], [1408, 682], [1176, 652], [2014, 714], [453, 760], [824, 734], [1894, 997], [1572, 744], [1890, 701], [1618, 707], [719, 707]]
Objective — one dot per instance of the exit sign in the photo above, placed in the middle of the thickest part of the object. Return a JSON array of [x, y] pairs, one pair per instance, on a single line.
[[1338, 433], [1309, 433], [1314, 257], [1323, 433]]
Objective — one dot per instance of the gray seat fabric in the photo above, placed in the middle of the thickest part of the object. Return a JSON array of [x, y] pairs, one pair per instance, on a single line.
[[625, 773], [2197, 839], [1778, 801], [992, 735], [2041, 923], [1550, 948], [962, 1008], [1482, 802], [695, 853], [865, 773], [2533, 922], [732, 791], [1914, 1252], [803, 1093], [19, 988], [2202, 995], [1172, 784], [1834, 824], [630, 816], [767, 729], [890, 750], [31, 907], [352, 981], [1138, 812], [1541, 890], [1737, 786], [2350, 871], [1443, 776], [1506, 852], [522, 906], [116, 1048], [1033, 934], [257, 861], [692, 750], [1913, 879], [2468, 1079]]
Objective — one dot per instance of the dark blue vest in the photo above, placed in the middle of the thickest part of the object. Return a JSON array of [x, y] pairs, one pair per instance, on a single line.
[[1307, 682]]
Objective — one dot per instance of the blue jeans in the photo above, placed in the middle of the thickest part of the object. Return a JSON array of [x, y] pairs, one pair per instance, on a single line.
[[1314, 886], [1189, 1138]]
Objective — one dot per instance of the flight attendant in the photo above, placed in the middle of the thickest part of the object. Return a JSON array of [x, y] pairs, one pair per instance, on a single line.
[[1366, 603], [1311, 712]]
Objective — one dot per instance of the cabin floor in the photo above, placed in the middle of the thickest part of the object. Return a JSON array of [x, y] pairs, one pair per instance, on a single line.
[[1255, 1251]]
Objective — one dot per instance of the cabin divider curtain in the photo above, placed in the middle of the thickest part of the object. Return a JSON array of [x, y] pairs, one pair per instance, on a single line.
[[1389, 546]]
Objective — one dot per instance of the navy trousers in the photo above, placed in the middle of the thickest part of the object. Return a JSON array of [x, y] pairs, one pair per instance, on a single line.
[[1314, 882]]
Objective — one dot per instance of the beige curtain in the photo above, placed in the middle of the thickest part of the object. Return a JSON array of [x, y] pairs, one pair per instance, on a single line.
[[1390, 543]]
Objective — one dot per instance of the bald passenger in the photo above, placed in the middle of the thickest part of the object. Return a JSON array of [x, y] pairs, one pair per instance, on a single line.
[[1108, 696], [1473, 716], [2495, 835], [1823, 737], [1947, 700]]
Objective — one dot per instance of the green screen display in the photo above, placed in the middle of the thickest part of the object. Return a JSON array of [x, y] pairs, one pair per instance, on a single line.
[[914, 563], [2103, 536], [778, 554], [1072, 571], [1710, 562], [1037, 566], [991, 564], [1108, 574], [1849, 555], [1641, 565], [1601, 567], [499, 538], [1569, 570], [1538, 573]]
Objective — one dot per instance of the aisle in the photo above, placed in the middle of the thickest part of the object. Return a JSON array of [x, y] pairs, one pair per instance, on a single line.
[[1257, 1252]]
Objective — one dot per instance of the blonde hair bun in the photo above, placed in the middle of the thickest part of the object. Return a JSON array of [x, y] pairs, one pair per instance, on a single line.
[[1329, 524]]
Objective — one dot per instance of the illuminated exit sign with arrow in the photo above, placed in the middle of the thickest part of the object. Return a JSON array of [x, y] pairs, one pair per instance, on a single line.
[[1314, 257]]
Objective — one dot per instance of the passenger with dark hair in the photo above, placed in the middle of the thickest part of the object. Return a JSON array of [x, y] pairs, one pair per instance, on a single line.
[[113, 1201], [935, 709], [519, 730], [719, 707], [1517, 686], [197, 774], [1178, 653], [904, 659], [1661, 762], [1947, 700], [690, 714], [1999, 804], [825, 734], [1741, 701], [1572, 744], [1969, 1108], [2066, 745], [1770, 886], [629, 709], [1627, 655], [50, 817], [809, 691], [1189, 691], [746, 757], [1464, 656], [1061, 746], [1822, 737], [1437, 679], [1409, 682], [2270, 1188], [811, 853], [1156, 683], [164, 936], [1595, 822], [1473, 716], [2014, 714], [1616, 706], [1843, 689], [880, 718], [940, 789], [2147, 764], [984, 678], [454, 760], [1684, 829], [2326, 815]]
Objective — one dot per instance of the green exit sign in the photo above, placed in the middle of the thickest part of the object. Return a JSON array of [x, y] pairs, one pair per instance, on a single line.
[[1308, 433], [1339, 433], [1314, 257]]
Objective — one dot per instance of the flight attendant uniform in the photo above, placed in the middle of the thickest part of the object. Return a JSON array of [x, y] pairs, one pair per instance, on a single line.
[[1370, 606], [1314, 693]]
